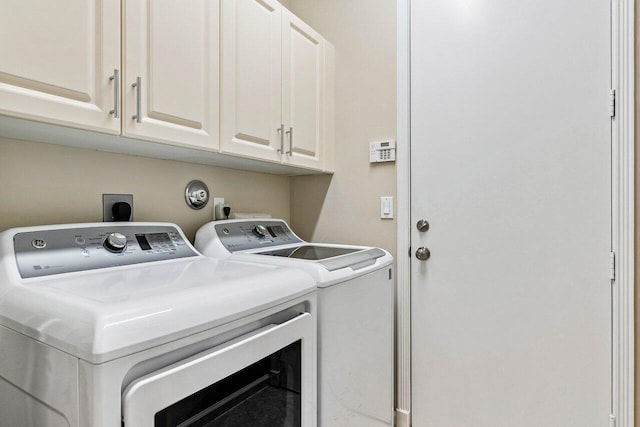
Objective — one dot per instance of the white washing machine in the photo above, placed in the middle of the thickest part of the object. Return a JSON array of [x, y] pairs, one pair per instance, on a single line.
[[355, 313], [125, 324]]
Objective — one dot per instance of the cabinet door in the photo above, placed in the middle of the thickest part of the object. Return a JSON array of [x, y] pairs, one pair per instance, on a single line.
[[56, 58], [303, 92], [251, 78], [173, 48]]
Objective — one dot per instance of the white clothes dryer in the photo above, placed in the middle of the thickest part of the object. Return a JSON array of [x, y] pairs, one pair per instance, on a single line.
[[355, 313], [126, 324]]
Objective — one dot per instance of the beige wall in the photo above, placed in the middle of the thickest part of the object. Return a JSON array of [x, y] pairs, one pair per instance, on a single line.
[[49, 184], [346, 207]]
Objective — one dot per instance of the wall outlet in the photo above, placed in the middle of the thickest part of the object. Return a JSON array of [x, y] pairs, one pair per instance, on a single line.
[[217, 211], [109, 200]]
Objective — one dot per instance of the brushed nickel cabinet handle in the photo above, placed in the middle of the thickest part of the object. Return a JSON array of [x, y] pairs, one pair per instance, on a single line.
[[138, 86], [116, 94], [290, 133], [281, 132]]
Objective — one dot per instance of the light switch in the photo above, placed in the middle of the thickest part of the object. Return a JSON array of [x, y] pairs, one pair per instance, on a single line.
[[386, 207]]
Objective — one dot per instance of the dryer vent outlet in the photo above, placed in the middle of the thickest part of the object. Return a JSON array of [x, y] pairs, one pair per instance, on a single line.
[[117, 207]]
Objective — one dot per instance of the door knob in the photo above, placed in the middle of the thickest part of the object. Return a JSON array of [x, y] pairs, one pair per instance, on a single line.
[[422, 225], [423, 253]]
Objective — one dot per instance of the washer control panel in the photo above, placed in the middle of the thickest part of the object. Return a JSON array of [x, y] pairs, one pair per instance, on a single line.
[[252, 234], [48, 252]]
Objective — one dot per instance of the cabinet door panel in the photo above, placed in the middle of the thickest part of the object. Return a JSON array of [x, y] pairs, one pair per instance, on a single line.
[[174, 48], [56, 59], [303, 96], [251, 78]]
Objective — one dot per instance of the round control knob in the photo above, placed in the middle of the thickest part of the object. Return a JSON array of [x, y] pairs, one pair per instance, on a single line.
[[115, 242], [260, 231]]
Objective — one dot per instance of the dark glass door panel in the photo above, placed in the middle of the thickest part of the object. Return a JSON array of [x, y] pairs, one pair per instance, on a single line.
[[311, 252], [265, 394]]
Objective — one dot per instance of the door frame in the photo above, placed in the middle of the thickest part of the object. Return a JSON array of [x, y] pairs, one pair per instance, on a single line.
[[623, 213]]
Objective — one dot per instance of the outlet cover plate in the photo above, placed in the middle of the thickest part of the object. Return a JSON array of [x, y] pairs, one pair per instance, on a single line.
[[108, 200]]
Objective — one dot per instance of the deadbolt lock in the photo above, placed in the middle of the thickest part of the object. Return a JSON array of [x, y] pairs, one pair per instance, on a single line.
[[423, 225]]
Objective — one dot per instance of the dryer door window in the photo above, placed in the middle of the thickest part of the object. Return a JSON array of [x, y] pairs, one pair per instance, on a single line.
[[265, 394], [264, 378]]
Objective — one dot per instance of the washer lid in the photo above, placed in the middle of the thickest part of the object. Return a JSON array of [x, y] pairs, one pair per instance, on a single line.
[[328, 264], [311, 252], [330, 257]]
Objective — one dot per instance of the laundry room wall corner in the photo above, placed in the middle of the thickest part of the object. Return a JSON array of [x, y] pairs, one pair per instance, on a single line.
[[346, 207]]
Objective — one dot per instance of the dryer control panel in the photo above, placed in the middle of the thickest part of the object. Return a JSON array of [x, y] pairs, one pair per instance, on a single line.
[[253, 234], [65, 250]]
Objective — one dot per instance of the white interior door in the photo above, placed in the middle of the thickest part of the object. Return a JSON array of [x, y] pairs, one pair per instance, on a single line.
[[510, 165]]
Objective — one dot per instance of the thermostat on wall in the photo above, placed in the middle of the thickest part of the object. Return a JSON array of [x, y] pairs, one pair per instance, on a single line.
[[382, 151]]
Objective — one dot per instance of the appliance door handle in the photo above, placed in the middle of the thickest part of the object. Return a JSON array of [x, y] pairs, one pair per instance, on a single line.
[[116, 94], [138, 87], [144, 397]]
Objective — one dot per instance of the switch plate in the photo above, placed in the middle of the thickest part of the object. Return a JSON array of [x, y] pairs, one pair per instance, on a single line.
[[108, 200], [386, 207]]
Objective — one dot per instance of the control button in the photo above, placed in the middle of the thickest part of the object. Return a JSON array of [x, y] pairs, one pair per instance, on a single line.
[[115, 242], [80, 241], [260, 230], [38, 243]]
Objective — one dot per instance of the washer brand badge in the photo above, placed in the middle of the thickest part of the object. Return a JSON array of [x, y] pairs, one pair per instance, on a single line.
[[38, 243]]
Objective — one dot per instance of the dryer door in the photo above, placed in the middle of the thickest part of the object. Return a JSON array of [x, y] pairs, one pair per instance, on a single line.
[[264, 378]]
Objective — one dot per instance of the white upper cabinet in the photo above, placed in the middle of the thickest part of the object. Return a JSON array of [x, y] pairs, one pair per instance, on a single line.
[[274, 85], [252, 78], [303, 86], [56, 60], [172, 48], [232, 81]]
